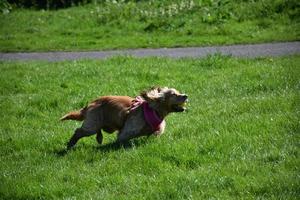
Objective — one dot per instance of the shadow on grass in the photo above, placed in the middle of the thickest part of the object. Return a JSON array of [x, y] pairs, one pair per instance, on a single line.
[[109, 147], [114, 146]]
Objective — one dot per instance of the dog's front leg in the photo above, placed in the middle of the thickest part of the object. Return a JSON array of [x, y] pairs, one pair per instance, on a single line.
[[125, 135], [132, 128]]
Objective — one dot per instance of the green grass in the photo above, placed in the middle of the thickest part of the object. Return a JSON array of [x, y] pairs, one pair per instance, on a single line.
[[150, 24], [239, 139]]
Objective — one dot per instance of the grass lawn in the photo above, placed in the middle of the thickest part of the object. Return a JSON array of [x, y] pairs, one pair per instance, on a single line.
[[239, 139], [147, 24]]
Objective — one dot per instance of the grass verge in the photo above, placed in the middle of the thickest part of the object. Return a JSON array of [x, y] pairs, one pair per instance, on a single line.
[[154, 24], [239, 139]]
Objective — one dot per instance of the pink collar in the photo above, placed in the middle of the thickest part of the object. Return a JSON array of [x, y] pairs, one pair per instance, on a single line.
[[150, 115]]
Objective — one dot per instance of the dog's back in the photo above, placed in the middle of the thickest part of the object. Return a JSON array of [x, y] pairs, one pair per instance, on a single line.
[[114, 111], [110, 110]]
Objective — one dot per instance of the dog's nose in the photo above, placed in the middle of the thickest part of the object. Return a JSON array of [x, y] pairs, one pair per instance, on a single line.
[[185, 96]]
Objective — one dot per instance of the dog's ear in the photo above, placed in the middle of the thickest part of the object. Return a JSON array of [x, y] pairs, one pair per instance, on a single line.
[[157, 88], [154, 94]]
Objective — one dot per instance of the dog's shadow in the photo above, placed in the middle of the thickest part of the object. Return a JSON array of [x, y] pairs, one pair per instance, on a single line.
[[109, 147]]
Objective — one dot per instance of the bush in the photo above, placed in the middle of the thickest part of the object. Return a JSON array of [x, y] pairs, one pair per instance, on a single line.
[[47, 4], [5, 7]]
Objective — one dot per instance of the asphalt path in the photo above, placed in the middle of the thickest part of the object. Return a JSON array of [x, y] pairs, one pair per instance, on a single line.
[[249, 50]]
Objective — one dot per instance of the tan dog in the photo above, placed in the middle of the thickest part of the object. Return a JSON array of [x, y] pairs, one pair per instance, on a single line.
[[131, 117]]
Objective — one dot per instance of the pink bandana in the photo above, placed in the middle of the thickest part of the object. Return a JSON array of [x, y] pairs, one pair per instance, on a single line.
[[150, 115]]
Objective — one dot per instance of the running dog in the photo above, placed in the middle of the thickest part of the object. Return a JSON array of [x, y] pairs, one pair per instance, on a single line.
[[131, 117]]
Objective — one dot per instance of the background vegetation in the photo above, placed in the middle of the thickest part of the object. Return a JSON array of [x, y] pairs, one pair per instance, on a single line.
[[239, 139], [46, 4], [139, 24]]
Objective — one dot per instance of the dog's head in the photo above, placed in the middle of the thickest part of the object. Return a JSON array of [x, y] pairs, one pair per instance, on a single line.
[[166, 99]]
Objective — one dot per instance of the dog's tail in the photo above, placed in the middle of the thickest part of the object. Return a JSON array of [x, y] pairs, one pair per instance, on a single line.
[[75, 115]]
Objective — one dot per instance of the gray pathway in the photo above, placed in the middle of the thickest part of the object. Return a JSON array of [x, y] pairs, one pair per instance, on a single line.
[[252, 50]]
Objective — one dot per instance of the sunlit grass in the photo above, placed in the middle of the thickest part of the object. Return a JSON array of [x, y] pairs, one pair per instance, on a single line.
[[239, 138]]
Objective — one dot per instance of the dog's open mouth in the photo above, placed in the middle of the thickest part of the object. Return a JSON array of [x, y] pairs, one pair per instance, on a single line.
[[180, 107]]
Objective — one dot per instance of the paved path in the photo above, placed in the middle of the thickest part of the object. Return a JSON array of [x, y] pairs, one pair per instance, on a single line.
[[253, 50]]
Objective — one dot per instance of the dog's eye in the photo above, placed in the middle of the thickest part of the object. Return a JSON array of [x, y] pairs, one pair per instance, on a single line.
[[173, 93]]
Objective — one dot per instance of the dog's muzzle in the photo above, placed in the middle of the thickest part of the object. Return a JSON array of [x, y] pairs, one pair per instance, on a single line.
[[180, 107]]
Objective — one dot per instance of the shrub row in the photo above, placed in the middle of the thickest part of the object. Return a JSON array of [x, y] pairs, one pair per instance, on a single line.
[[46, 4]]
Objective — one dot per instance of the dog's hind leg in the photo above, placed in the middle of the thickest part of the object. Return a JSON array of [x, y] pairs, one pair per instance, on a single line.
[[90, 126], [99, 137], [79, 133]]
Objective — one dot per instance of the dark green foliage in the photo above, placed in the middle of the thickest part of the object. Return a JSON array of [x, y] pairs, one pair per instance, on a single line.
[[5, 7], [266, 9], [209, 11], [47, 4]]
